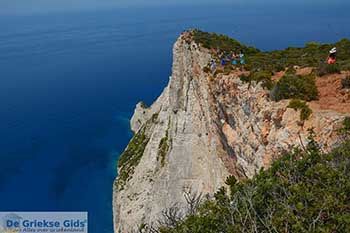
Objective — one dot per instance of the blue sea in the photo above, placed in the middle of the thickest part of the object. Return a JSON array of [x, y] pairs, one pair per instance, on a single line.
[[69, 83]]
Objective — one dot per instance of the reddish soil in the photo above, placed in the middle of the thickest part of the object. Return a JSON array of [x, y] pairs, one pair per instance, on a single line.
[[331, 94], [277, 76], [299, 71]]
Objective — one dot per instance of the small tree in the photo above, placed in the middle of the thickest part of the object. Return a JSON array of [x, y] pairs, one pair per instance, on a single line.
[[346, 83], [324, 69], [305, 111], [295, 86], [344, 131]]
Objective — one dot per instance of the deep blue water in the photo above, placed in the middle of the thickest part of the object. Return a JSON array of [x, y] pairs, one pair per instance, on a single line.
[[69, 83]]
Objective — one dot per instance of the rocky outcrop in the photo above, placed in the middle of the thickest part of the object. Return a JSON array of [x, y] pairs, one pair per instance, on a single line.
[[200, 131]]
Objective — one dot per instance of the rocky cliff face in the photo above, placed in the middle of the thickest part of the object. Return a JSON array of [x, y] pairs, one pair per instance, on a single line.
[[198, 132]]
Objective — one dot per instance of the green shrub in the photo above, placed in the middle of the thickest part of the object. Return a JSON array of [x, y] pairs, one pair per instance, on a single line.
[[346, 124], [344, 64], [278, 67], [324, 69], [304, 191], [345, 82], [265, 78], [244, 78], [343, 47], [259, 76], [291, 70], [305, 111], [345, 129], [131, 157], [163, 148], [295, 86]]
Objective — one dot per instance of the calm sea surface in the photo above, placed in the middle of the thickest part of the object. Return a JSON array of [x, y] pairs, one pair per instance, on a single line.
[[69, 83]]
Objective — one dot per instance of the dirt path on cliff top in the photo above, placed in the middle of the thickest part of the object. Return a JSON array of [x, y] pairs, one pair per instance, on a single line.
[[331, 94]]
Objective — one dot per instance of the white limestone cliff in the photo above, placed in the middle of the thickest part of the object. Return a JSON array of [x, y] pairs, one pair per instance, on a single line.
[[200, 131]]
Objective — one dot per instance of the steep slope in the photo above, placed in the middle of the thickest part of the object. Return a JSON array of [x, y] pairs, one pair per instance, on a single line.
[[201, 130]]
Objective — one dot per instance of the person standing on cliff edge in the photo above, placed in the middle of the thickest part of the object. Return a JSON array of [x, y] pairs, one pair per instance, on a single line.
[[213, 66], [242, 58], [332, 58]]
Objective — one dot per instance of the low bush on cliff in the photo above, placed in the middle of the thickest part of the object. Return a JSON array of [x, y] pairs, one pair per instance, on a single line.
[[305, 111], [346, 83], [259, 76], [130, 158], [312, 55], [345, 129], [164, 146], [343, 55], [304, 191], [295, 86], [324, 69], [132, 155]]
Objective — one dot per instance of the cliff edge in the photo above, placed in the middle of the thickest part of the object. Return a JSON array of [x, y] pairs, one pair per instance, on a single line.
[[202, 129]]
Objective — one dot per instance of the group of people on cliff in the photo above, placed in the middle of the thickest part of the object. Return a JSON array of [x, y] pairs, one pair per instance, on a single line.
[[239, 58], [232, 58]]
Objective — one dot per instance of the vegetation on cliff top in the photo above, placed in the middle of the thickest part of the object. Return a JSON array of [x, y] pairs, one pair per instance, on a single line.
[[312, 55], [295, 86], [263, 65], [222, 42], [303, 191]]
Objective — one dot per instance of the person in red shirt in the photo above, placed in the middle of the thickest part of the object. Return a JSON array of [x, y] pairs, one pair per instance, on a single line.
[[332, 58]]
